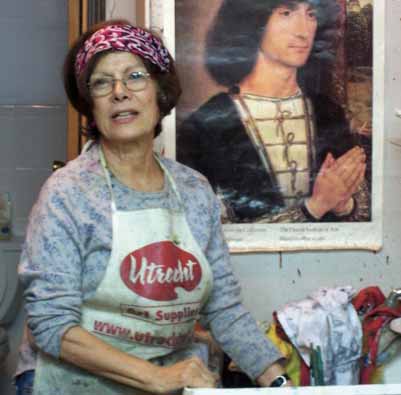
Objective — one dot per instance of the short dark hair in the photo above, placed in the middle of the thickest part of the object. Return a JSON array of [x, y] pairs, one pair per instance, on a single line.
[[168, 84], [231, 54]]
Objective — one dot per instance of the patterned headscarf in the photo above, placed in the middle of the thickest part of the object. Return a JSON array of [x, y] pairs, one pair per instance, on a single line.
[[123, 38]]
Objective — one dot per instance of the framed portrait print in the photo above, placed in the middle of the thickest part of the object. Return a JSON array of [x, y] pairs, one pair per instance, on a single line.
[[282, 111]]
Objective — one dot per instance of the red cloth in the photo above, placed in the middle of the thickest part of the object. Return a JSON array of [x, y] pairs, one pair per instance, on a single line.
[[367, 299], [375, 315]]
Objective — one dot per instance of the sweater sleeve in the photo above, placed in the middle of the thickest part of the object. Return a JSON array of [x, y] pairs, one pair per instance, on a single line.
[[50, 269], [231, 324]]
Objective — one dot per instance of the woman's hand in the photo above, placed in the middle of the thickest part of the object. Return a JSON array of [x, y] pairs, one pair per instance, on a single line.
[[336, 182], [271, 373], [188, 373], [89, 352]]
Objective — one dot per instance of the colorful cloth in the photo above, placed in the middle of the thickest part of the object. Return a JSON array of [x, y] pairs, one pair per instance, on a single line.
[[328, 320], [123, 38], [376, 317], [304, 371]]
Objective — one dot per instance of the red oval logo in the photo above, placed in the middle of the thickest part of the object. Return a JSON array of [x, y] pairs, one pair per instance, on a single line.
[[156, 270]]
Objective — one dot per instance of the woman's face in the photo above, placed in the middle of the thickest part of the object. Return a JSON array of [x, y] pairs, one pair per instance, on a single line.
[[123, 115], [289, 35]]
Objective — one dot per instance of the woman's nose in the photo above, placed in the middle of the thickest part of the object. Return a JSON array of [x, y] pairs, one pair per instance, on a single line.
[[120, 91]]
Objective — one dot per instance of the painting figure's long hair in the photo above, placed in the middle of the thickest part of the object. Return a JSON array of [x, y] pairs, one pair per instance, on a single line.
[[235, 35]]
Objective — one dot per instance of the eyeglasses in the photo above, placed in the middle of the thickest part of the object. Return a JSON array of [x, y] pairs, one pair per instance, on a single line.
[[135, 82]]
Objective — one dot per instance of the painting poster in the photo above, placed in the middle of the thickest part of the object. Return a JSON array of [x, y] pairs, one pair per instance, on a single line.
[[282, 111]]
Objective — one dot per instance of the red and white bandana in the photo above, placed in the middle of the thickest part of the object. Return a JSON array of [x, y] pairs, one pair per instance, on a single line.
[[123, 38]]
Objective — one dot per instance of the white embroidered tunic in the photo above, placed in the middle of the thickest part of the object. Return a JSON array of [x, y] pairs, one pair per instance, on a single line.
[[282, 131]]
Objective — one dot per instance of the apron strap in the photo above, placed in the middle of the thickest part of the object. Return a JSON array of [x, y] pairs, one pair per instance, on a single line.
[[170, 180], [108, 178]]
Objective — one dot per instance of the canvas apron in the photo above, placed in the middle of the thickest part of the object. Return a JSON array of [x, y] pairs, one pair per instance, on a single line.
[[154, 286]]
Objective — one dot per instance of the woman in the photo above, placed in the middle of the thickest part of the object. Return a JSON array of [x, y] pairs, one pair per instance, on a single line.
[[267, 144], [124, 250]]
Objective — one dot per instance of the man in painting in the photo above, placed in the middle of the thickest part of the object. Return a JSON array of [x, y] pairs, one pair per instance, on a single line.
[[273, 151]]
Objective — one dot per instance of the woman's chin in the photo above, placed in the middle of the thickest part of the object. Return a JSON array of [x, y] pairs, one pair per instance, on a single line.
[[129, 135]]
